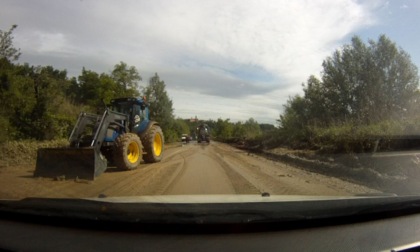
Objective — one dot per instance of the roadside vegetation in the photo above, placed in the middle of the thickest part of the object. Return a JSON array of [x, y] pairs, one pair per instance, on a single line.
[[23, 152], [365, 92], [365, 98], [39, 105], [42, 103]]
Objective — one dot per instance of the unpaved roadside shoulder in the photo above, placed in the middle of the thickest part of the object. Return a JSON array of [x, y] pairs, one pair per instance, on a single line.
[[389, 174], [281, 178]]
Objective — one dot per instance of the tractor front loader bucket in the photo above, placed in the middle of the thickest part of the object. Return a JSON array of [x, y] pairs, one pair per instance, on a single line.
[[70, 163]]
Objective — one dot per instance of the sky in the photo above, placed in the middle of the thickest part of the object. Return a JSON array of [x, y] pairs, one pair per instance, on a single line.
[[233, 59]]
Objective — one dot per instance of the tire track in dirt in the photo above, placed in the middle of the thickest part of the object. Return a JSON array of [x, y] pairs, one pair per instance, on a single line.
[[239, 182], [253, 174], [170, 169], [260, 180], [278, 178], [150, 182], [147, 179], [201, 174]]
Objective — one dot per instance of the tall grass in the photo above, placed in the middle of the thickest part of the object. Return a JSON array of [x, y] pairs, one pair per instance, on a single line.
[[351, 137], [13, 153]]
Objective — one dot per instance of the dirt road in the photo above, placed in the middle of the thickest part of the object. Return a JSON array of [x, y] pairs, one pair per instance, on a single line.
[[186, 169]]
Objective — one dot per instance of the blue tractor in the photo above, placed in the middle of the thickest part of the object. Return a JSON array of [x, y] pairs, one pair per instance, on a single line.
[[123, 136]]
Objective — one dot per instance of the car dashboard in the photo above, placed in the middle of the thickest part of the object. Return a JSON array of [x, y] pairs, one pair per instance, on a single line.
[[196, 230]]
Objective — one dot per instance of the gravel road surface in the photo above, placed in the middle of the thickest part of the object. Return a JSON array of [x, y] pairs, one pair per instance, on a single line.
[[186, 169]]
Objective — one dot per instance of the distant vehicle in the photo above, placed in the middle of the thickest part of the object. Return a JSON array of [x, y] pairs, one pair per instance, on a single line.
[[203, 134], [185, 138]]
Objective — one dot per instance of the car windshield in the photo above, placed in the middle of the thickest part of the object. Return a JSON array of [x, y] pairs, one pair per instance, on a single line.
[[233, 98]]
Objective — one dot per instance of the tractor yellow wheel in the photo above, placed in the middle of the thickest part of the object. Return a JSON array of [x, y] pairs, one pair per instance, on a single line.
[[133, 152], [153, 142], [157, 144], [127, 151]]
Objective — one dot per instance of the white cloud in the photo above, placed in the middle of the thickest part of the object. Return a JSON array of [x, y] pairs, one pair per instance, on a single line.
[[225, 52], [46, 43]]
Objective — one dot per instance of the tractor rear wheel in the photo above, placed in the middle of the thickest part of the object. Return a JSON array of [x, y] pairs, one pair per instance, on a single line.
[[153, 144], [127, 151]]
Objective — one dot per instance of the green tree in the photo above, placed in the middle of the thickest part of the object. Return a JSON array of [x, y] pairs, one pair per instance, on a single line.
[[7, 50], [266, 127], [238, 130], [182, 126], [223, 129], [108, 89], [93, 89], [89, 88], [8, 53], [160, 106], [127, 79], [252, 129], [48, 118], [293, 121], [21, 102], [33, 103], [6, 70], [315, 107], [368, 83], [179, 127], [361, 84]]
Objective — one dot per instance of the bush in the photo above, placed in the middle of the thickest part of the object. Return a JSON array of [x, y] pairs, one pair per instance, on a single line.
[[171, 136], [24, 152], [350, 137]]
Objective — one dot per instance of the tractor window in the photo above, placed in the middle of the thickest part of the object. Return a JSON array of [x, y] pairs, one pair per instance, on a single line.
[[138, 113], [122, 107], [137, 110]]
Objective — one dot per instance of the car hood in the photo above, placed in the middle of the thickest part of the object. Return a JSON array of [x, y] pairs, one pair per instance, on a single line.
[[212, 209], [229, 198]]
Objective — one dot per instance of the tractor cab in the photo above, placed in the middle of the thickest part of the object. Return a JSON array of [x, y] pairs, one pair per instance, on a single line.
[[136, 109]]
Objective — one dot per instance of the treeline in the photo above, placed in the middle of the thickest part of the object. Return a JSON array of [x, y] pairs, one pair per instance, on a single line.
[[34, 102], [42, 103], [226, 131], [365, 92]]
